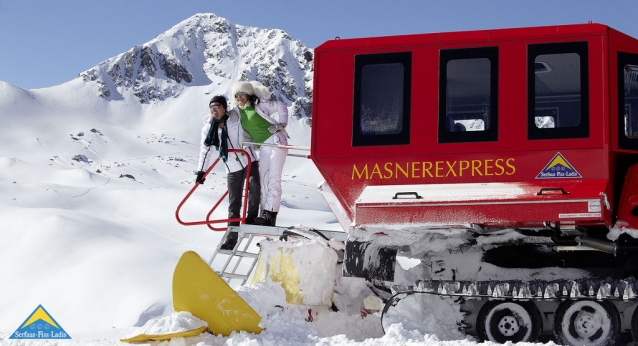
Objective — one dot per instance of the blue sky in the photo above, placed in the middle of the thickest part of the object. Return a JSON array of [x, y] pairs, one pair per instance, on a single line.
[[49, 42]]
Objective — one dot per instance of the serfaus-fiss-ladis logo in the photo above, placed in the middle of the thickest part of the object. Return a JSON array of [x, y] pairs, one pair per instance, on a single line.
[[40, 325], [558, 167]]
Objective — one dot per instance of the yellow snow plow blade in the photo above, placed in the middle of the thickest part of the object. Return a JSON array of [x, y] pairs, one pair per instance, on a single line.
[[200, 291], [160, 337]]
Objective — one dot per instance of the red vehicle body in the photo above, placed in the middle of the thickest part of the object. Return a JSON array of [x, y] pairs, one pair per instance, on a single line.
[[510, 156], [530, 129]]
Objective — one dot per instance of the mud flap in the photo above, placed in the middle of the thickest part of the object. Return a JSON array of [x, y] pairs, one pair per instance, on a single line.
[[200, 291], [161, 337], [368, 261]]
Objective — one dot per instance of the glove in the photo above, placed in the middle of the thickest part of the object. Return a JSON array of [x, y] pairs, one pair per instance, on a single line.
[[276, 127], [200, 177]]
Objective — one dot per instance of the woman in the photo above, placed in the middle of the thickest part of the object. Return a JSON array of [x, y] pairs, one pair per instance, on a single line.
[[265, 122], [223, 133]]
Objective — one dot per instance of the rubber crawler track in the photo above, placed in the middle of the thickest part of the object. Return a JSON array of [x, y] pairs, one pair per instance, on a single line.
[[546, 295]]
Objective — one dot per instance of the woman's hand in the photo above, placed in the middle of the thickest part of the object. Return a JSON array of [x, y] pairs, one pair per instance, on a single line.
[[276, 127]]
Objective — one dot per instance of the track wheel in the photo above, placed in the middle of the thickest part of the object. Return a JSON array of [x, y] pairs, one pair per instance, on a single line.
[[502, 321], [586, 322]]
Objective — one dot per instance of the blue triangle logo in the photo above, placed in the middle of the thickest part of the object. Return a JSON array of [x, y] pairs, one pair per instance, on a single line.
[[40, 325], [558, 168]]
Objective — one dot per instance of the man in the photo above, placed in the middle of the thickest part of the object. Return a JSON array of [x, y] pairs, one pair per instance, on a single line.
[[223, 134]]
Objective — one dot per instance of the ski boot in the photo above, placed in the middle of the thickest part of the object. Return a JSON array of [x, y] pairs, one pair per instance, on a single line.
[[267, 218], [231, 241]]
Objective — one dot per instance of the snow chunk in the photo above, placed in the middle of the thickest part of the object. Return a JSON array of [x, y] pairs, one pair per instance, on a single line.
[[620, 228], [354, 327], [175, 323], [427, 314], [267, 298], [314, 263]]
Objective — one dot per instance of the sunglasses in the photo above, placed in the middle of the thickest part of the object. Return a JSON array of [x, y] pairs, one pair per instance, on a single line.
[[240, 94], [214, 106]]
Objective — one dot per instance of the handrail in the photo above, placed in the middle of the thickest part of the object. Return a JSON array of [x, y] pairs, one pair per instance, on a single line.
[[280, 146], [208, 221]]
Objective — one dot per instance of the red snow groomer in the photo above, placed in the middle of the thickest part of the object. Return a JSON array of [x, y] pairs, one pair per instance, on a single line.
[[503, 160]]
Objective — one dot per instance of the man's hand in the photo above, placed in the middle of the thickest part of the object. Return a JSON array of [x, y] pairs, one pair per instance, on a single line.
[[200, 177]]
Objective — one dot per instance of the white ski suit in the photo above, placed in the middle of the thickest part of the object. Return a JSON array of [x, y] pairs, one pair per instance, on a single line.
[[271, 159]]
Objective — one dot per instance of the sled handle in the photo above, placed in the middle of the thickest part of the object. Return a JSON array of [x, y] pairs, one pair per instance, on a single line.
[[416, 195], [208, 221], [539, 193]]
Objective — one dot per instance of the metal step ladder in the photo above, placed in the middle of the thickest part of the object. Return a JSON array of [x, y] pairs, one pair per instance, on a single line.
[[236, 256], [247, 234]]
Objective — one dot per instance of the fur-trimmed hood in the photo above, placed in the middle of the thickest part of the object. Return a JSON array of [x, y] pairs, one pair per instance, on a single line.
[[251, 88]]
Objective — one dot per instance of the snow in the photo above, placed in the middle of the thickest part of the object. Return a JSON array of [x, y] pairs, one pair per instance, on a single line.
[[441, 193], [314, 264], [620, 228], [178, 322], [443, 327], [94, 239], [334, 203]]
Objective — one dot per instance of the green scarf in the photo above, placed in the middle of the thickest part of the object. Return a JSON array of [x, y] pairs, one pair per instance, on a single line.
[[212, 138]]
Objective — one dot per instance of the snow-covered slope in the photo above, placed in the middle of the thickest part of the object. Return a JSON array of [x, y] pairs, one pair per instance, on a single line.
[[90, 183]]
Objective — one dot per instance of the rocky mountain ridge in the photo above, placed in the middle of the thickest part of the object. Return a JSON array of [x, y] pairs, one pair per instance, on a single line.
[[209, 50]]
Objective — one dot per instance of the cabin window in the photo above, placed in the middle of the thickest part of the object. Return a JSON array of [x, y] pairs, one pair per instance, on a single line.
[[558, 102], [381, 114], [468, 91], [630, 81], [627, 101]]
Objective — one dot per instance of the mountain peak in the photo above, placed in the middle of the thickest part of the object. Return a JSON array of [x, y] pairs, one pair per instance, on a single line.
[[206, 49]]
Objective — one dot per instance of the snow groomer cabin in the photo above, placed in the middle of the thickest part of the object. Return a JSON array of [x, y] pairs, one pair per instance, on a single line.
[[517, 146]]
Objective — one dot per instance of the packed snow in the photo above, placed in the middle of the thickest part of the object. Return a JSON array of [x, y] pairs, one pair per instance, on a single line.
[[89, 192], [315, 265], [178, 322]]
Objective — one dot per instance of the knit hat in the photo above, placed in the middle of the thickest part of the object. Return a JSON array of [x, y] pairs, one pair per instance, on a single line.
[[219, 99]]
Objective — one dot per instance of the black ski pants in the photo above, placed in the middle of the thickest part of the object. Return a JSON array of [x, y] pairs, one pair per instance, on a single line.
[[236, 181]]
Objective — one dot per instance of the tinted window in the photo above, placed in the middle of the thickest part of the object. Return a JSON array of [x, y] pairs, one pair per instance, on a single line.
[[469, 95], [558, 104], [558, 83], [382, 99], [630, 81], [381, 114], [627, 101]]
